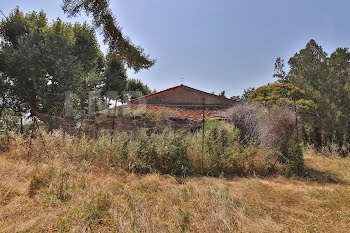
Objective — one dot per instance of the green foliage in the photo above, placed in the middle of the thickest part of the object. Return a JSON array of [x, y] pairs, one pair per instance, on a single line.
[[221, 152], [45, 60], [133, 56], [324, 83], [294, 159], [279, 69], [135, 85], [41, 61], [177, 153], [278, 94], [114, 77], [165, 153], [173, 150], [246, 94], [219, 140], [222, 93], [10, 120]]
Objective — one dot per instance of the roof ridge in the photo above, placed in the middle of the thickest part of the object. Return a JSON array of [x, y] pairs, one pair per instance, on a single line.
[[171, 88]]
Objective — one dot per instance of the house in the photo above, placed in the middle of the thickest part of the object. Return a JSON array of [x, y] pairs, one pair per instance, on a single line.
[[182, 107], [184, 97]]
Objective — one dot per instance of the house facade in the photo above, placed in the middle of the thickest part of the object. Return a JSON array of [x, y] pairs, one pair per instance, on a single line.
[[184, 97]]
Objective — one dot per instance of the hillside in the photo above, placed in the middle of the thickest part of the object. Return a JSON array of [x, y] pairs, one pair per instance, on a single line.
[[66, 197]]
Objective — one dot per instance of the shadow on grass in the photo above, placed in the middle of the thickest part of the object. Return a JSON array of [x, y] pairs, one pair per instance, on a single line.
[[311, 174]]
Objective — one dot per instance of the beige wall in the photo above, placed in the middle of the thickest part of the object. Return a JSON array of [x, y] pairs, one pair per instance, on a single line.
[[184, 96]]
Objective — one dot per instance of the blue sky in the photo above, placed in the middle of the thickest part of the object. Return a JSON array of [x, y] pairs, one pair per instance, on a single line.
[[217, 45]]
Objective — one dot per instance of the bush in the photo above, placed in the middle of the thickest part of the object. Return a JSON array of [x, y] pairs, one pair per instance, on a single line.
[[165, 153], [273, 128], [223, 154], [294, 158], [174, 154], [168, 152], [247, 118], [277, 128], [220, 145]]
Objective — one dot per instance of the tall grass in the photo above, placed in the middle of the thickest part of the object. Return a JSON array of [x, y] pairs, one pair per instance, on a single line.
[[178, 153], [81, 197], [70, 184]]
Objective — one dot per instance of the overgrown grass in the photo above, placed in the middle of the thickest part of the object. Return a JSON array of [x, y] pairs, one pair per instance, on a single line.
[[167, 182], [65, 196], [180, 153]]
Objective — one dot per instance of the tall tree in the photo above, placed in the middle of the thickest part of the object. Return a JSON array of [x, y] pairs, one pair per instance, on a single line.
[[246, 94], [135, 85], [309, 72], [133, 56], [279, 70], [114, 77], [4, 92], [325, 81], [338, 95], [43, 60], [278, 94]]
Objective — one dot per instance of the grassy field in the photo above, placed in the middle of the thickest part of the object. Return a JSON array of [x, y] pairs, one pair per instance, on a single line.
[[57, 196]]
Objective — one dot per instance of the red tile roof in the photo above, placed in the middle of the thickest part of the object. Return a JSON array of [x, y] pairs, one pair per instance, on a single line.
[[175, 113]]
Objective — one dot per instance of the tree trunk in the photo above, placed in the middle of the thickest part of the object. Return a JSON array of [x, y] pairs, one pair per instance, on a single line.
[[21, 130], [318, 138]]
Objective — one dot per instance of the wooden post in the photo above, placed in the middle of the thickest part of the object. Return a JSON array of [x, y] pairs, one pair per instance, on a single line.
[[296, 119], [64, 123], [203, 122], [30, 140], [21, 129], [113, 121]]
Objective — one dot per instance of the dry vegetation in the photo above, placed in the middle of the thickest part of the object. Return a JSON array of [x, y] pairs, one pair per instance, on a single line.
[[58, 193]]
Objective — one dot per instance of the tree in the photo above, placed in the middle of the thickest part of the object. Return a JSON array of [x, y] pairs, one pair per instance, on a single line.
[[338, 96], [325, 81], [133, 56], [279, 70], [114, 77], [245, 97], [246, 94], [309, 72], [235, 98], [282, 95], [3, 93], [278, 94], [222, 93], [42, 61], [135, 85]]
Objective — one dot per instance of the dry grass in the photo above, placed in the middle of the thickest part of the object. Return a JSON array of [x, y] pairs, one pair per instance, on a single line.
[[54, 195]]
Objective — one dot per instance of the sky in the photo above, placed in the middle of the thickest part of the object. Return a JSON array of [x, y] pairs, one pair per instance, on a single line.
[[216, 45]]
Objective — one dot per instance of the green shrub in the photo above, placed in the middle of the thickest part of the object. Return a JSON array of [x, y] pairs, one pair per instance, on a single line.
[[221, 147], [164, 153], [294, 159], [144, 157], [174, 154], [219, 152]]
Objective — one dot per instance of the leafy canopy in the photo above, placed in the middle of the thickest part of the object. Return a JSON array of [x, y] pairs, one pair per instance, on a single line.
[[133, 56], [320, 85], [41, 61]]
